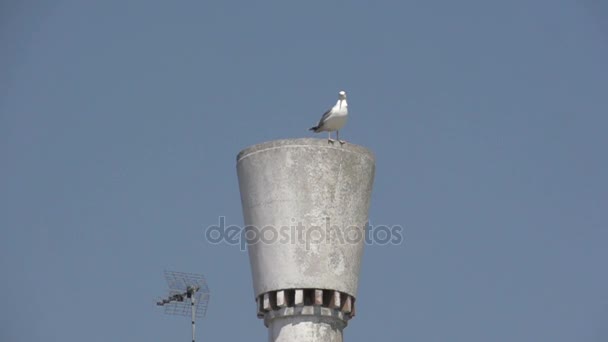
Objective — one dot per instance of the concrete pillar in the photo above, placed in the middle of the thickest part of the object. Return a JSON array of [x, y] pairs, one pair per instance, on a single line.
[[305, 204]]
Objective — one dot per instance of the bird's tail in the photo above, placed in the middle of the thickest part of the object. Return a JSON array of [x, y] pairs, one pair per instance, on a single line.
[[314, 129]]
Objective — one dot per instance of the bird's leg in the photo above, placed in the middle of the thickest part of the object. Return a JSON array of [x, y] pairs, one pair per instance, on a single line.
[[329, 139], [338, 137]]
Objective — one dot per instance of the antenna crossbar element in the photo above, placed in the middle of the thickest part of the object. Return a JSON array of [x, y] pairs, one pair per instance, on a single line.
[[188, 295], [183, 286]]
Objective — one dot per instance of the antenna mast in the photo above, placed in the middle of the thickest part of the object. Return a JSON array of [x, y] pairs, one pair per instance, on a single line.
[[183, 286]]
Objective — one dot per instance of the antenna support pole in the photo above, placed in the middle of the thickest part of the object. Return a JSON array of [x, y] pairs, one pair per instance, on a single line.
[[184, 286], [193, 315]]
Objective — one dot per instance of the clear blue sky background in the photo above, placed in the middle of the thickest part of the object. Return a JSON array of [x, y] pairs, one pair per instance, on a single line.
[[120, 122]]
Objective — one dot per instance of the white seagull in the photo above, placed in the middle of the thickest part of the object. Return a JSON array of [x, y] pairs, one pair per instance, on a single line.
[[334, 118]]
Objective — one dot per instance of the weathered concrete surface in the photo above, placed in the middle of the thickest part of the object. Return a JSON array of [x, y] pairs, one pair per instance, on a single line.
[[289, 188], [305, 329]]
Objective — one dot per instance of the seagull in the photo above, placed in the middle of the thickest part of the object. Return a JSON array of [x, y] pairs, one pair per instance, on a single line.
[[333, 119]]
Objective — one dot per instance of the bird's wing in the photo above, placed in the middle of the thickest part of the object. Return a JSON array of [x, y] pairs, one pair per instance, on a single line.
[[325, 116]]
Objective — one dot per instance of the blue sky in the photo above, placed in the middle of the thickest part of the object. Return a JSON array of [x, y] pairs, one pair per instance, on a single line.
[[120, 122]]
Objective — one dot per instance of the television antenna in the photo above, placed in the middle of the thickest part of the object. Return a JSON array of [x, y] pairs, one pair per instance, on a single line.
[[188, 295]]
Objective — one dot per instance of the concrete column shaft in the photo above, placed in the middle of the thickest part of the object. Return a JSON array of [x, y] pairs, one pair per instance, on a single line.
[[305, 329], [305, 206]]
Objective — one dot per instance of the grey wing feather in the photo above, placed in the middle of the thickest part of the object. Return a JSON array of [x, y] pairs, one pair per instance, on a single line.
[[324, 117]]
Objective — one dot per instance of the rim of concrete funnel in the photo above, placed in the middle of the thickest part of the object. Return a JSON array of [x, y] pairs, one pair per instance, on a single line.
[[261, 147], [309, 200]]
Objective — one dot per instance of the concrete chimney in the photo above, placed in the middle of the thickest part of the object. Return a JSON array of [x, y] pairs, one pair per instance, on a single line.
[[305, 204]]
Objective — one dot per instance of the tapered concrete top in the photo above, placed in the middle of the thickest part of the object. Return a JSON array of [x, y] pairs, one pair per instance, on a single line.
[[305, 202], [305, 143]]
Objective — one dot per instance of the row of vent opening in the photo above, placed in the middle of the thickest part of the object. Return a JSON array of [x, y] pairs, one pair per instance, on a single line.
[[275, 300]]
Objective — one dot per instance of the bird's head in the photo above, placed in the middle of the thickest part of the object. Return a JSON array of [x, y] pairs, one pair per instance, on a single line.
[[342, 94]]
